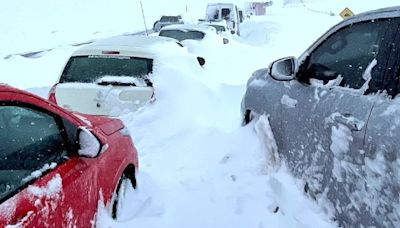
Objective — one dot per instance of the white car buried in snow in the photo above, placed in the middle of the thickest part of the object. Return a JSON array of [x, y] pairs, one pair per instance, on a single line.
[[220, 26], [198, 32], [112, 76]]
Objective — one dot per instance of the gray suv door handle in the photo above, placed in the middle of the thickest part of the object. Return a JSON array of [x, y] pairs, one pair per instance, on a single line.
[[350, 121]]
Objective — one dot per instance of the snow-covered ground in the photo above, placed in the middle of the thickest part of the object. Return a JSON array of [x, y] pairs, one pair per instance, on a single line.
[[198, 166]]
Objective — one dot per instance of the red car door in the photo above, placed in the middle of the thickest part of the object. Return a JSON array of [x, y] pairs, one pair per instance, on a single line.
[[43, 183], [57, 199]]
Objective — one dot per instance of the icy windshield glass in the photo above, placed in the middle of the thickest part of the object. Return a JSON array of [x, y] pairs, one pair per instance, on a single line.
[[91, 68], [183, 34]]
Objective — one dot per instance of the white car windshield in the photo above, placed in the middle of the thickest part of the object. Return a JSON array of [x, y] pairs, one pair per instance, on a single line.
[[89, 69]]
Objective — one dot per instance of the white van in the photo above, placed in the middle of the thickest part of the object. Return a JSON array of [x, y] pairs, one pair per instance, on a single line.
[[224, 11]]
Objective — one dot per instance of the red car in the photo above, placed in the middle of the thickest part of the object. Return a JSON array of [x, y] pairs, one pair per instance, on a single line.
[[57, 167]]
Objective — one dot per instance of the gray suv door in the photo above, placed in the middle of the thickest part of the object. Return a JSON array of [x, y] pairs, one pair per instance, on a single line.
[[382, 157], [325, 132]]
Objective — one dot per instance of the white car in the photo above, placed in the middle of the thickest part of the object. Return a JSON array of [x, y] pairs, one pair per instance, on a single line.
[[111, 76], [220, 26], [192, 32]]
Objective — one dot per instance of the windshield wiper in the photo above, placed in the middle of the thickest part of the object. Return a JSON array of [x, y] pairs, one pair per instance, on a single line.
[[104, 83]]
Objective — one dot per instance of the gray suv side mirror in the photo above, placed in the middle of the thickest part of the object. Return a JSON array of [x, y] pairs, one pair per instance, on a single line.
[[283, 69]]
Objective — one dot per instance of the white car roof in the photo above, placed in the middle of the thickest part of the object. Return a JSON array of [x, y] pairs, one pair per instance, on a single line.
[[214, 22], [136, 46], [202, 28], [222, 4]]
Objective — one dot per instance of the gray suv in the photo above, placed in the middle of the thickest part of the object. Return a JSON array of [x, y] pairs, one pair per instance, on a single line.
[[335, 115]]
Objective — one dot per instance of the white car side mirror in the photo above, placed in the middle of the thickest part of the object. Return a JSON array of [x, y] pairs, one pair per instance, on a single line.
[[89, 145]]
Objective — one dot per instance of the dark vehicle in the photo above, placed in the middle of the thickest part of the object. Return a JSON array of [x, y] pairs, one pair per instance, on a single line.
[[167, 20], [335, 115]]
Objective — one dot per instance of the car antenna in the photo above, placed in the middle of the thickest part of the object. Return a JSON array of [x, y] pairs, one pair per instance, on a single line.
[[144, 19]]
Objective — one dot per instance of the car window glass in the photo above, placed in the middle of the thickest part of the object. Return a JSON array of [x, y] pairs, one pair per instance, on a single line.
[[225, 12], [91, 68], [347, 53], [182, 34], [169, 19], [219, 28], [30, 141]]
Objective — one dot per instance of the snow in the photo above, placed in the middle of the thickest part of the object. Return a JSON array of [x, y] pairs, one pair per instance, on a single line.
[[289, 102], [267, 139], [122, 79], [341, 140], [367, 76], [89, 145], [39, 172], [22, 221], [51, 190], [199, 168]]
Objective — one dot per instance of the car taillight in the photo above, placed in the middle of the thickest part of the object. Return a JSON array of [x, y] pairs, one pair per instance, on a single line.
[[52, 94]]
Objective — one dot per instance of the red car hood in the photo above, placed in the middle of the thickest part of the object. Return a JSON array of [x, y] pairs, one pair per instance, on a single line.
[[107, 125]]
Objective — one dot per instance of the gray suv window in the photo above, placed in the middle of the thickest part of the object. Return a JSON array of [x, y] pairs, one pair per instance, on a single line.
[[347, 53], [29, 140]]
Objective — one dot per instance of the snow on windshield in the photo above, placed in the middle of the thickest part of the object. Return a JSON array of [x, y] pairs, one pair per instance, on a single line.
[[128, 80]]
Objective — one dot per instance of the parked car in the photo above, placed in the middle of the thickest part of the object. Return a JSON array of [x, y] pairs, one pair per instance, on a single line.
[[167, 20], [221, 27], [335, 116], [111, 76], [224, 11], [192, 32], [57, 166]]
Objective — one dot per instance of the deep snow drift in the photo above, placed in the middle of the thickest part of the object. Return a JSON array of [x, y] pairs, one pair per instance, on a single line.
[[198, 166]]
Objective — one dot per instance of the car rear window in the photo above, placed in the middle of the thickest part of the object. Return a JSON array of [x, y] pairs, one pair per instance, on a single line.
[[182, 34], [169, 19], [92, 68]]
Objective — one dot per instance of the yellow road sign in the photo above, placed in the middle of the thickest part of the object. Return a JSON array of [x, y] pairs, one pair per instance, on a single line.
[[346, 13]]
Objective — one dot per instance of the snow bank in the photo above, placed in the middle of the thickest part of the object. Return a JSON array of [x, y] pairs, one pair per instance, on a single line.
[[199, 168]]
